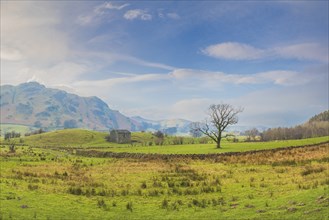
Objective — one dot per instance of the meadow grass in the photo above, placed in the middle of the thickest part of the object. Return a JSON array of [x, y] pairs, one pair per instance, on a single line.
[[67, 137], [210, 148], [143, 142], [40, 183]]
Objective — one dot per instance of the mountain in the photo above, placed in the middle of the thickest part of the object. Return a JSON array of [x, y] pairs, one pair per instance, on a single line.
[[35, 105]]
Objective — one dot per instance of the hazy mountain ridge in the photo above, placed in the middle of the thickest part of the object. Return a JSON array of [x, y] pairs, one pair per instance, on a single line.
[[170, 126], [33, 104]]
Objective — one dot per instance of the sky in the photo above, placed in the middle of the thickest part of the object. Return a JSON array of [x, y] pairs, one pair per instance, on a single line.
[[172, 59]]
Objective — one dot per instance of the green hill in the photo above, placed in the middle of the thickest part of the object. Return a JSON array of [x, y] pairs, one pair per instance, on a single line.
[[323, 116], [4, 128], [67, 137]]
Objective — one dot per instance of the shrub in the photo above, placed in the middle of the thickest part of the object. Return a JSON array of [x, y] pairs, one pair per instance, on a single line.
[[101, 203], [129, 206], [165, 204]]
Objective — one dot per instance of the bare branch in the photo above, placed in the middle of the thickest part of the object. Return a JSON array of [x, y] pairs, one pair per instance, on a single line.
[[220, 116]]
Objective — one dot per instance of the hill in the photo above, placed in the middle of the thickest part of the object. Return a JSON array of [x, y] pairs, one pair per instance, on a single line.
[[323, 116], [67, 137], [33, 104]]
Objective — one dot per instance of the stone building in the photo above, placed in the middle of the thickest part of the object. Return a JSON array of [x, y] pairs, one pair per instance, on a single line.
[[120, 136]]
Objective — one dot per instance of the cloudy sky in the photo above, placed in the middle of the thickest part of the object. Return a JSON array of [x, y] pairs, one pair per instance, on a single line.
[[171, 59]]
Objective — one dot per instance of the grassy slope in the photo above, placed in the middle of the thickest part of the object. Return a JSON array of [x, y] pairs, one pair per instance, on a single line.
[[14, 127], [67, 137]]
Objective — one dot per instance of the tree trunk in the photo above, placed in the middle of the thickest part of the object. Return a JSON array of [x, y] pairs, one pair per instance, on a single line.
[[218, 142]]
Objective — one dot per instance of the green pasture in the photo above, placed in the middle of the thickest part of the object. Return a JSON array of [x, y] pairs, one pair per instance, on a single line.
[[39, 183], [145, 143], [210, 148], [67, 137]]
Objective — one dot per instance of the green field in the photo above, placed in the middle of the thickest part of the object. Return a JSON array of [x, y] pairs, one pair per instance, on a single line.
[[44, 178], [78, 138], [210, 148], [38, 183], [67, 137]]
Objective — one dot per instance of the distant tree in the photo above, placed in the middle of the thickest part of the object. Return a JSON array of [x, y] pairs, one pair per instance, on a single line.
[[70, 123], [219, 117], [159, 134], [12, 134], [193, 131], [7, 135], [251, 133], [323, 116], [12, 147], [159, 137]]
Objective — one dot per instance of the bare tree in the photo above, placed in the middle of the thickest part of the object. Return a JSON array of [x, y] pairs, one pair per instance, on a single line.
[[219, 117], [252, 133], [194, 131]]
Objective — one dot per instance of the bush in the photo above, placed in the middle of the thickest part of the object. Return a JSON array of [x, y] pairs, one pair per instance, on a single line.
[[129, 206]]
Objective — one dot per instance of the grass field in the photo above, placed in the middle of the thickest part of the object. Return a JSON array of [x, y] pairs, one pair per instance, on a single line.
[[67, 137], [39, 183], [45, 179], [210, 148], [78, 138]]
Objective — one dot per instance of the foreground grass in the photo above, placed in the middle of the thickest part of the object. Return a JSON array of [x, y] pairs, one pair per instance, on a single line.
[[47, 184]]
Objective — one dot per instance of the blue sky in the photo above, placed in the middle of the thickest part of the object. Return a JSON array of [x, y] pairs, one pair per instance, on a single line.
[[172, 59]]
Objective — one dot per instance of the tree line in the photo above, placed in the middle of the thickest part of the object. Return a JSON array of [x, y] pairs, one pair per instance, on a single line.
[[308, 130]]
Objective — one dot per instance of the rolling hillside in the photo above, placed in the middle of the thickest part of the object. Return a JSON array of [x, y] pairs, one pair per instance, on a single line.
[[33, 104]]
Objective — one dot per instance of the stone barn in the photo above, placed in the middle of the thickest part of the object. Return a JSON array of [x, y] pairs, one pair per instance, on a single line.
[[120, 136]]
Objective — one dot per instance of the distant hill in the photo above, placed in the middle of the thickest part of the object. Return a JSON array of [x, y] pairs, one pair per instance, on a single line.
[[316, 126], [323, 116], [68, 137], [35, 105]]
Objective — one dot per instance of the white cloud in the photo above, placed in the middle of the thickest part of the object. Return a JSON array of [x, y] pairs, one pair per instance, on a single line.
[[113, 57], [305, 51], [137, 14], [111, 82], [239, 51], [99, 12], [109, 5], [10, 54], [28, 31], [278, 77], [233, 51]]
